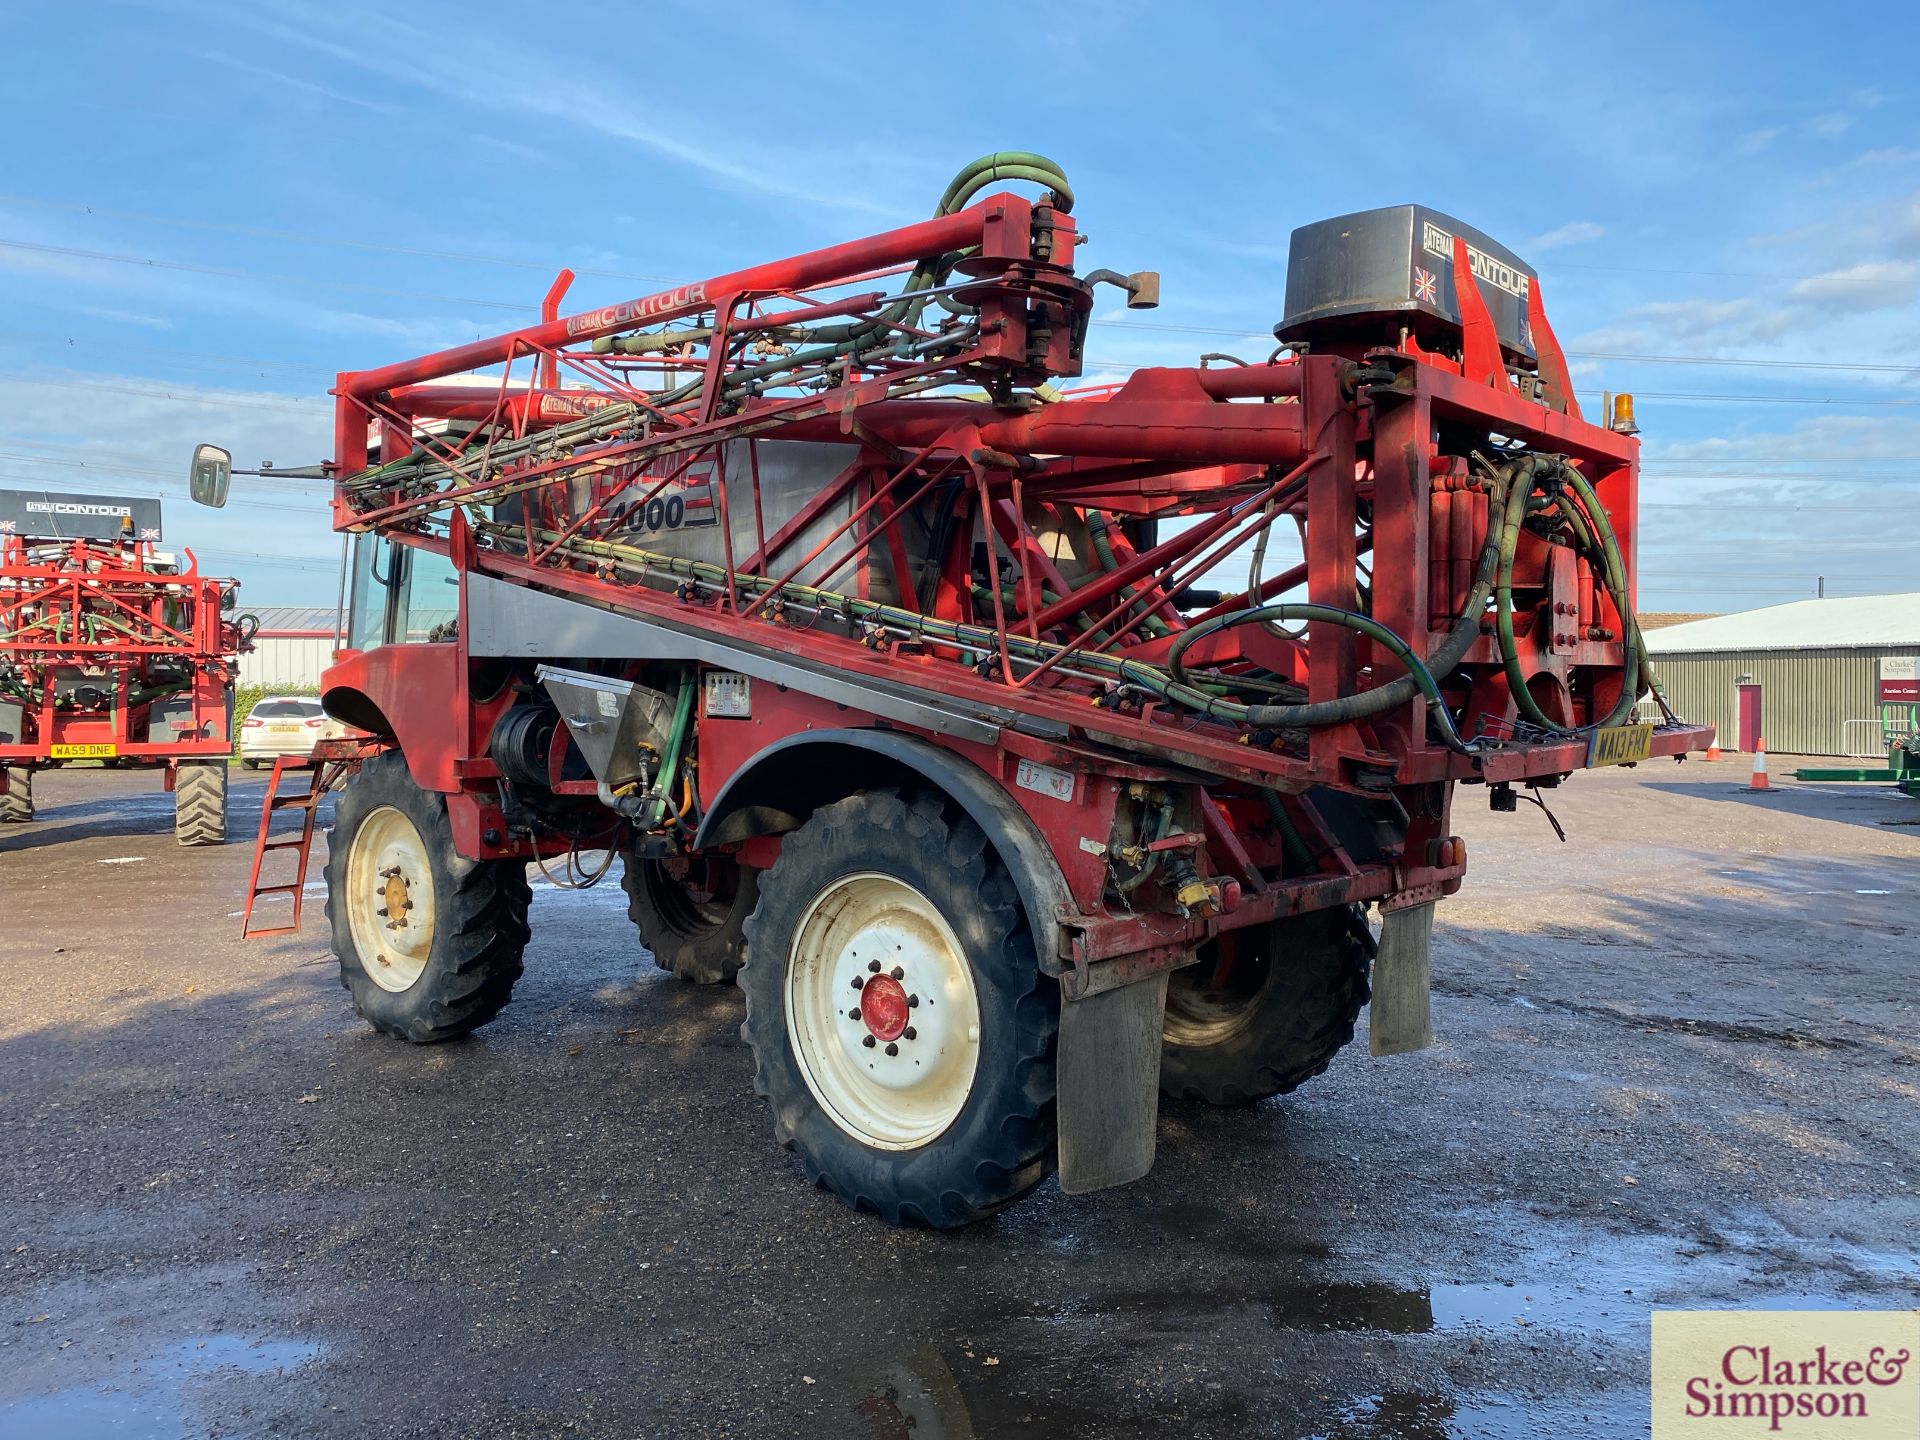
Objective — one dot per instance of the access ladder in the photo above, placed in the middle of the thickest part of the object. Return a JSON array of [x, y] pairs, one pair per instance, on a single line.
[[330, 762]]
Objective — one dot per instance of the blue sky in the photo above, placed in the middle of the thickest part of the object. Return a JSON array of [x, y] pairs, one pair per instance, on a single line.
[[208, 209]]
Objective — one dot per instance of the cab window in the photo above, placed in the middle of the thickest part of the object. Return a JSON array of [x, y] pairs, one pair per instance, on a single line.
[[397, 594]]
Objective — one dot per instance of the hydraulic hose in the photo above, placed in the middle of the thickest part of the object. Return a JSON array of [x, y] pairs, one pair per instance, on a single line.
[[670, 762], [1639, 666], [1507, 483], [1330, 712]]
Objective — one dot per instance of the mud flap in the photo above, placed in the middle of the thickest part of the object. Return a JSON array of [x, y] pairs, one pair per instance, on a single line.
[[1108, 1074], [1401, 1019]]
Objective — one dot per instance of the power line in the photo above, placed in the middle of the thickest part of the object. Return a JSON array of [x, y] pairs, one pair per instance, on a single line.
[[306, 238], [298, 407], [308, 510], [271, 277], [114, 467], [277, 278]]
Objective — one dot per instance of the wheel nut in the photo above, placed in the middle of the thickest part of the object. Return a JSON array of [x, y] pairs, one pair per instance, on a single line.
[[868, 1042], [854, 1014], [892, 1049], [874, 966], [898, 973], [913, 1002], [909, 1033], [858, 982]]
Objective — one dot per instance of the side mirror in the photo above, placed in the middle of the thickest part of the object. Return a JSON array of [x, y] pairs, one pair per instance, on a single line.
[[212, 472]]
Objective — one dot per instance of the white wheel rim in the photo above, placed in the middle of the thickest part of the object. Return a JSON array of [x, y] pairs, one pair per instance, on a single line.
[[387, 871], [874, 932]]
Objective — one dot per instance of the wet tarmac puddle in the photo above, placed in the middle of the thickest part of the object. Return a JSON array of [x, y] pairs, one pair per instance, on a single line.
[[157, 1400]]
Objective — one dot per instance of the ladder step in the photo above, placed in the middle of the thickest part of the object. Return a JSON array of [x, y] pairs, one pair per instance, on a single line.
[[279, 889], [299, 844]]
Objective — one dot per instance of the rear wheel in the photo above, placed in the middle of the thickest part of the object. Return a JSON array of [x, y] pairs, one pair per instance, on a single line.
[[900, 1024], [16, 806], [691, 912], [200, 802], [429, 942], [1265, 1009]]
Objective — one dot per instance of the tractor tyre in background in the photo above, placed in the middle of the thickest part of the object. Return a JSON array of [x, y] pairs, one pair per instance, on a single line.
[[692, 913], [1271, 1017], [200, 802], [16, 806], [429, 942], [900, 1024]]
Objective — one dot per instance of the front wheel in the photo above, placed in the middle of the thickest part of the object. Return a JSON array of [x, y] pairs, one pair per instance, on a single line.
[[1265, 1008], [899, 1021], [429, 942]]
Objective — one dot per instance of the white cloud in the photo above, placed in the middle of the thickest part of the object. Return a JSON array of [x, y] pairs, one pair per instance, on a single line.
[[1871, 285], [1887, 157], [1832, 125], [281, 80], [466, 67], [1754, 141], [1574, 232], [1716, 322], [126, 317]]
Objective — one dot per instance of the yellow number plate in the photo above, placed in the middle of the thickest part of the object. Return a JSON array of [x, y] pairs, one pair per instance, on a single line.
[[99, 750], [1620, 745]]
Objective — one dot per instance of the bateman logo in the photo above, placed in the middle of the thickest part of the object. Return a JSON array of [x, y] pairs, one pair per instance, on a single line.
[[1497, 273], [631, 312], [1774, 1372]]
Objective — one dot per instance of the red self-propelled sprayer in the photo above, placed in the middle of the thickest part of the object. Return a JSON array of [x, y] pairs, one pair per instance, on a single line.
[[965, 720], [112, 650]]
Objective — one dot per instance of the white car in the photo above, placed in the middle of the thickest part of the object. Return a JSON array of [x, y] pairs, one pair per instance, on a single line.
[[284, 725]]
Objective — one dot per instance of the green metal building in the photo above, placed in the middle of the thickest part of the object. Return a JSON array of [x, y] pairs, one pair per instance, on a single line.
[[1806, 677]]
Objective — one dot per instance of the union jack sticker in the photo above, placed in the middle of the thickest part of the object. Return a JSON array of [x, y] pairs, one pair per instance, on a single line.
[[149, 533], [7, 527], [1423, 286]]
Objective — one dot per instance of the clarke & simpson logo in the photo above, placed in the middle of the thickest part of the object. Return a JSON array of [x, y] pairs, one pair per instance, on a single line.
[[1810, 1374]]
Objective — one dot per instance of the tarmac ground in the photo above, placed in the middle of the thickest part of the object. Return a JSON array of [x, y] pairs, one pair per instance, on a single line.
[[1678, 1065]]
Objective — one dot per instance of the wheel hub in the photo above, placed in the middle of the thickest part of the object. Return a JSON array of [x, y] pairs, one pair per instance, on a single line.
[[882, 1011], [389, 895], [883, 1005], [393, 898]]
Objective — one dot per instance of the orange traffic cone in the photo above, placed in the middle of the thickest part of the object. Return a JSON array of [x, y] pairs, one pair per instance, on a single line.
[[1759, 778], [1713, 750]]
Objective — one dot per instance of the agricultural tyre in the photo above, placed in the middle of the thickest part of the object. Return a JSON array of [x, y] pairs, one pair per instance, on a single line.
[[901, 1028], [429, 942], [692, 913], [200, 802], [16, 806], [1265, 1008]]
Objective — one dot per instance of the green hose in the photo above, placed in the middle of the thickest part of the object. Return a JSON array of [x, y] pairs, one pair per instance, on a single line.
[[670, 762], [1102, 539], [1005, 165], [1613, 570], [1638, 667], [1288, 716]]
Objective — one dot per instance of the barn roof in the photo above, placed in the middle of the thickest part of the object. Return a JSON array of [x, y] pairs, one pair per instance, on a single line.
[[293, 617], [1858, 622]]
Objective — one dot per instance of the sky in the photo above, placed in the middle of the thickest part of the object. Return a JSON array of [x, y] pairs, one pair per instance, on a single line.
[[208, 209]]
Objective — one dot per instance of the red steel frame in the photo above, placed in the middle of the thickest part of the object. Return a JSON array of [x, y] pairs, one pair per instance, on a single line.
[[102, 605], [1327, 438]]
